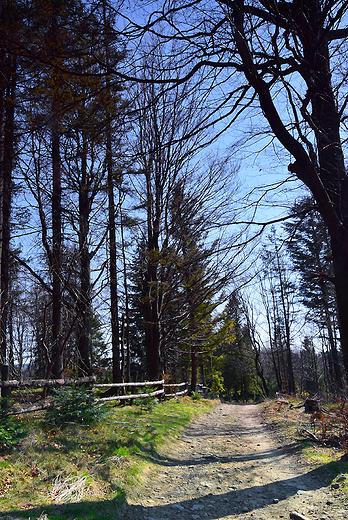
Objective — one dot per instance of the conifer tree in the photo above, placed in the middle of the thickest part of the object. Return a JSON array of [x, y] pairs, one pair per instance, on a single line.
[[309, 246]]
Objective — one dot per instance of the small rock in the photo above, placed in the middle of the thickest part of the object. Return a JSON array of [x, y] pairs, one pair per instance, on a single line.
[[335, 486], [297, 516], [197, 507], [329, 502], [176, 506], [275, 500], [301, 492], [342, 478], [206, 484]]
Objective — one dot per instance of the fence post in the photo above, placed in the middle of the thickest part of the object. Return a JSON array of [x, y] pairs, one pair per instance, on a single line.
[[5, 392]]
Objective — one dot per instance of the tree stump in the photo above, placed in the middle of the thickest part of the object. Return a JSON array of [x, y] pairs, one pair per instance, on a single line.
[[312, 405]]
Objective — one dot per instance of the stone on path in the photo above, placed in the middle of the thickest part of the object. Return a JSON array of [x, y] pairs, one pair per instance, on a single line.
[[297, 516]]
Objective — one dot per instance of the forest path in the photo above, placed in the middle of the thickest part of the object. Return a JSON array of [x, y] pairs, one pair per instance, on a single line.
[[229, 465]]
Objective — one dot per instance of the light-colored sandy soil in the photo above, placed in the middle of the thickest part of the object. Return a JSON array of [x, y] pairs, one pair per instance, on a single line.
[[229, 465]]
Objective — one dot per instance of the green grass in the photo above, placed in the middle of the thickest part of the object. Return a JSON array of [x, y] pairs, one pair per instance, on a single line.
[[81, 472]]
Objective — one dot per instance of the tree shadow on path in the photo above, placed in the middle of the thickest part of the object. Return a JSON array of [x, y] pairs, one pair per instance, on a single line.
[[215, 506]]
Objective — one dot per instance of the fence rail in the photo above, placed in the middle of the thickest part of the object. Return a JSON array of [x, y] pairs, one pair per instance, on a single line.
[[166, 390], [174, 386], [41, 383], [131, 396], [120, 385]]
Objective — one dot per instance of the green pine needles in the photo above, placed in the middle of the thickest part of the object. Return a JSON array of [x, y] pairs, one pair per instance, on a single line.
[[74, 404]]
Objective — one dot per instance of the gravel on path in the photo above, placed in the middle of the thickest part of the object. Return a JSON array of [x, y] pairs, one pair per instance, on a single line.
[[229, 465]]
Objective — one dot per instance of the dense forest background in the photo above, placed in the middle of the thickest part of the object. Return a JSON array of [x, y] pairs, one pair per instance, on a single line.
[[129, 241]]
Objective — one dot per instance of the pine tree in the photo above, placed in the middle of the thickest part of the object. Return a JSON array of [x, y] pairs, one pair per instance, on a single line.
[[309, 246]]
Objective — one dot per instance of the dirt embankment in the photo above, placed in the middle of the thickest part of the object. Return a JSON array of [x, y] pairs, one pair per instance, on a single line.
[[229, 465]]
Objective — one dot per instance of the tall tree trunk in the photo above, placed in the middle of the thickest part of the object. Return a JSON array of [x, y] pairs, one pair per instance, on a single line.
[[193, 368], [8, 87], [152, 327], [285, 305], [115, 326], [57, 354], [85, 322], [340, 261], [125, 283], [151, 280], [337, 373]]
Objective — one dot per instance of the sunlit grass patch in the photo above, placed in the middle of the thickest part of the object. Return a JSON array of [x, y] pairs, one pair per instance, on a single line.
[[321, 455], [75, 471]]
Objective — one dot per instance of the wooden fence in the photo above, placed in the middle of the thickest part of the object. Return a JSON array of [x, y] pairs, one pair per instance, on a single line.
[[124, 391], [171, 390]]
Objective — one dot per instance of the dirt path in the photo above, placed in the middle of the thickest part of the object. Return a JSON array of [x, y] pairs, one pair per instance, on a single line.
[[228, 465]]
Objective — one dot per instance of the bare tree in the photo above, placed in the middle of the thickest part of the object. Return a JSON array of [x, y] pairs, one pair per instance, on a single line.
[[289, 59], [278, 299], [178, 211]]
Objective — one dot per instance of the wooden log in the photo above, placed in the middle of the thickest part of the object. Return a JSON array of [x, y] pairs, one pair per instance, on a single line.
[[174, 385], [306, 433], [38, 383], [134, 396], [120, 385], [177, 394], [34, 408]]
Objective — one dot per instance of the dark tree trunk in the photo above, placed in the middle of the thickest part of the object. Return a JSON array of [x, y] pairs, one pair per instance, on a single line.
[[7, 106], [85, 323], [340, 261], [126, 298], [115, 327], [336, 372], [193, 368], [115, 324], [152, 297], [152, 338], [259, 371], [57, 354]]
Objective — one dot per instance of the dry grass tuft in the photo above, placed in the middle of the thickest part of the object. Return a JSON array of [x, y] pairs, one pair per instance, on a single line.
[[73, 489]]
